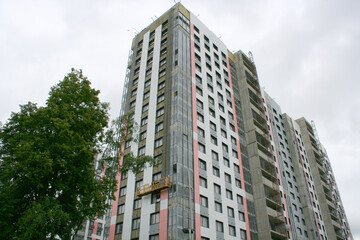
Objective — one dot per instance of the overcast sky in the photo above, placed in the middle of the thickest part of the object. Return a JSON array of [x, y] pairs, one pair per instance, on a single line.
[[307, 55]]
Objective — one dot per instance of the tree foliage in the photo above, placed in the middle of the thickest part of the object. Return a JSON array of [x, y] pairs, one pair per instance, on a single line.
[[48, 185], [48, 182], [123, 131]]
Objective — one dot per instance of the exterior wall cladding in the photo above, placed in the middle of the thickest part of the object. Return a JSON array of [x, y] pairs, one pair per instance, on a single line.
[[238, 167]]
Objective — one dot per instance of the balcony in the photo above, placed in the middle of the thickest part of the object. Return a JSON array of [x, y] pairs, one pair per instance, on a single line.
[[252, 82], [259, 121], [155, 186], [273, 198], [268, 170], [277, 229]]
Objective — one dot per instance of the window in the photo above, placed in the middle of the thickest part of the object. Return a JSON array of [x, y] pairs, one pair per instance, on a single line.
[[242, 234], [160, 112], [211, 100], [139, 52], [229, 103], [213, 140], [232, 231], [212, 126], [234, 153], [159, 127], [236, 168], [202, 164], [209, 77], [135, 81], [230, 212], [197, 67], [162, 73], [137, 70], [196, 38], [232, 127], [203, 182], [238, 183], [155, 218], [99, 229], [227, 178], [210, 88], [206, 38], [132, 103], [118, 228], [240, 199], [154, 237], [145, 108], [226, 162], [136, 223], [143, 136], [144, 121], [219, 226], [229, 194], [216, 171], [221, 107], [147, 83], [133, 92], [138, 183], [198, 79], [162, 52], [161, 85], [159, 142], [218, 207], [241, 216], [199, 91], [204, 221], [148, 72], [146, 95], [211, 112], [197, 57], [199, 104], [141, 151], [201, 132], [161, 98], [155, 198], [215, 47], [223, 133], [202, 148], [162, 62], [200, 117], [152, 34], [197, 47], [207, 46], [204, 201], [137, 204], [217, 188], [225, 148], [222, 121], [121, 209], [233, 140], [214, 156], [122, 191]]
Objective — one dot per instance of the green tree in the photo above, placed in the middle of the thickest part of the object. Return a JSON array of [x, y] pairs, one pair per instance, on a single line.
[[48, 185], [48, 182], [123, 131]]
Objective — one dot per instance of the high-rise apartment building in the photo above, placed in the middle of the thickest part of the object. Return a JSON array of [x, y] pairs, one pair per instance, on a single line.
[[230, 164]]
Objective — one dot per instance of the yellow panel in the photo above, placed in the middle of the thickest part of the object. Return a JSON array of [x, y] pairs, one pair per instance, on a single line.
[[231, 56], [184, 11]]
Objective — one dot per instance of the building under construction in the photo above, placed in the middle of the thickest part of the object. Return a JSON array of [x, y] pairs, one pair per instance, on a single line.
[[231, 165]]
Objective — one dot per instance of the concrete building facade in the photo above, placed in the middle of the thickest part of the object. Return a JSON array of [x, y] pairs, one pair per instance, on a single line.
[[230, 164]]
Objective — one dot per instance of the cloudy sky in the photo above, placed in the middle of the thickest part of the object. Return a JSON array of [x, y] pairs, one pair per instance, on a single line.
[[307, 55]]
